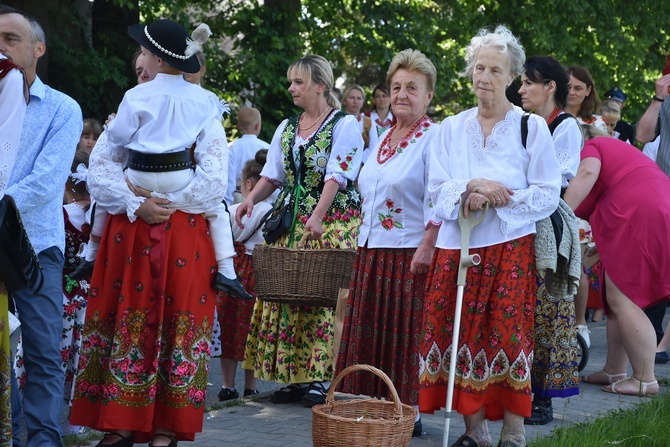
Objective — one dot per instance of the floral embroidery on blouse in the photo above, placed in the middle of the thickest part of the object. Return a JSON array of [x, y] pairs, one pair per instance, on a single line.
[[345, 163], [387, 220]]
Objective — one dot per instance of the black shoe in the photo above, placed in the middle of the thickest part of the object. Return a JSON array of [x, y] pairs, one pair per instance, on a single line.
[[232, 287], [315, 395], [542, 412], [662, 358], [288, 394], [83, 271], [120, 442], [248, 392], [418, 429], [227, 394]]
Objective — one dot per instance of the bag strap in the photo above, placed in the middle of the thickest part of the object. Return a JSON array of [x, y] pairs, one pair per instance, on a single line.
[[559, 119], [258, 227], [524, 129]]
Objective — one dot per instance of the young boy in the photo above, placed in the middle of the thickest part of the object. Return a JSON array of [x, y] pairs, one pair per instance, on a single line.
[[243, 150], [158, 122]]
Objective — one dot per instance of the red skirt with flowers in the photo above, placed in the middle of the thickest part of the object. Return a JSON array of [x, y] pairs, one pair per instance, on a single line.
[[235, 314], [146, 341], [495, 344], [383, 324]]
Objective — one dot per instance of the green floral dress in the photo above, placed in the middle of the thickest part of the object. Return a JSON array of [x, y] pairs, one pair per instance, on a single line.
[[294, 344]]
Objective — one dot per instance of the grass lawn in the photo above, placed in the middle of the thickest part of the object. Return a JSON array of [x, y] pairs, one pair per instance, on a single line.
[[647, 424]]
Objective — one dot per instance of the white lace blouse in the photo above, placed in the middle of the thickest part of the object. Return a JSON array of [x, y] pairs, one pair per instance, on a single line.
[[459, 154], [12, 110], [568, 142]]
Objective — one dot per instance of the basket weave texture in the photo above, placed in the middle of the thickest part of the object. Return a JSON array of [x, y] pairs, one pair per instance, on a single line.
[[362, 422], [307, 277]]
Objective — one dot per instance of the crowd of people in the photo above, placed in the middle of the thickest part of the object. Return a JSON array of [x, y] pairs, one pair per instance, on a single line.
[[145, 231]]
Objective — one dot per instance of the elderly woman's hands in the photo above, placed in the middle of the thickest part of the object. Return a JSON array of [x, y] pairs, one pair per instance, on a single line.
[[313, 228], [422, 258], [153, 211], [496, 193]]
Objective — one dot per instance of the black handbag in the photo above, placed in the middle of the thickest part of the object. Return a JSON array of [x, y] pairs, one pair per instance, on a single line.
[[277, 222], [19, 265]]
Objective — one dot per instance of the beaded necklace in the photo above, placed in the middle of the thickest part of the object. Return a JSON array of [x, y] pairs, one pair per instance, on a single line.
[[386, 151]]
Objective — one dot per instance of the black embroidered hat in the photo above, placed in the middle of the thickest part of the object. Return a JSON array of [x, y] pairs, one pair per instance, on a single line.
[[169, 41]]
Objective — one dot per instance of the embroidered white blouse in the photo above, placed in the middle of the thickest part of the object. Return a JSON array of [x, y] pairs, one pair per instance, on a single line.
[[395, 203], [12, 111], [568, 142], [346, 135], [459, 154], [251, 231], [598, 122]]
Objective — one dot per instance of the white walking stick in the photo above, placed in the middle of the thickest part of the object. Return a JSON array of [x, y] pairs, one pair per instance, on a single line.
[[467, 260]]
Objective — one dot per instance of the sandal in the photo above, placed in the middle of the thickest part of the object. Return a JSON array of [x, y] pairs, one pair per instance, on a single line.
[[467, 441], [611, 378], [123, 441], [173, 441], [288, 394], [642, 389], [316, 394], [542, 412]]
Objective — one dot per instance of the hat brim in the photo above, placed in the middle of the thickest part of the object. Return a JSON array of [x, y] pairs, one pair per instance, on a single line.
[[190, 65]]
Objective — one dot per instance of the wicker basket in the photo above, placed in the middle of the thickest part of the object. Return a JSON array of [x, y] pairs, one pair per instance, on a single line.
[[362, 422], [308, 277]]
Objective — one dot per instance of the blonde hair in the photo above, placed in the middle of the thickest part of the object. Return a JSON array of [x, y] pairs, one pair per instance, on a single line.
[[248, 118], [353, 87], [318, 70], [590, 132], [502, 39], [413, 60], [610, 109]]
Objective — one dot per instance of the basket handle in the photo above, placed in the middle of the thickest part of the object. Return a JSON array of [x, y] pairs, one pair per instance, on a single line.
[[302, 243], [330, 398]]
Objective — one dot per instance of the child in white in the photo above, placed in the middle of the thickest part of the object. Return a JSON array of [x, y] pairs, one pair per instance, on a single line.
[[166, 116]]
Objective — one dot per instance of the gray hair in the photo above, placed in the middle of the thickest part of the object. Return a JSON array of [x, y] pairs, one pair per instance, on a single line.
[[317, 69], [36, 30], [503, 39], [413, 60]]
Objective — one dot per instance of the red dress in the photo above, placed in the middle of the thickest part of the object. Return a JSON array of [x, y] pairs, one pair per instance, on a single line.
[[146, 344], [629, 212]]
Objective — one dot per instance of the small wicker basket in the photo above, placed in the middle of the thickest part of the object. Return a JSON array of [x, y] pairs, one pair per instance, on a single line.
[[307, 277], [362, 422]]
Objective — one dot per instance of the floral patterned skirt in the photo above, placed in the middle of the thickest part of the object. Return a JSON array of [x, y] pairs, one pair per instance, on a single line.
[[495, 344], [146, 341], [294, 344], [231, 327], [5, 372], [383, 324], [554, 371]]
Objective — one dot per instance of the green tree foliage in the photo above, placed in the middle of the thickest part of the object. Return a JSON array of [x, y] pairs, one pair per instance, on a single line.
[[621, 42]]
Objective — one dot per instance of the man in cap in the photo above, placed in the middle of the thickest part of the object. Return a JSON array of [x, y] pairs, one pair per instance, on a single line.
[[626, 131]]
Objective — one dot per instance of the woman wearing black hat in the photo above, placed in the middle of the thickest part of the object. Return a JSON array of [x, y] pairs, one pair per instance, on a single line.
[[145, 349]]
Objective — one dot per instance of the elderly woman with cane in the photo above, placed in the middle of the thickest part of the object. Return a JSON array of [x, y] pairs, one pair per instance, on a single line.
[[478, 157]]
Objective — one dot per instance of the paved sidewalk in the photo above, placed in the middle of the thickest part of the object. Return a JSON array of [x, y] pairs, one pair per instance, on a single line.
[[260, 423]]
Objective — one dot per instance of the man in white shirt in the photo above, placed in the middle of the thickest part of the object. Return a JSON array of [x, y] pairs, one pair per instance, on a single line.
[[243, 150]]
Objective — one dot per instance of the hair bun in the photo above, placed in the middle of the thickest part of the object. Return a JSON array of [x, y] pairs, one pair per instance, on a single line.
[[261, 156]]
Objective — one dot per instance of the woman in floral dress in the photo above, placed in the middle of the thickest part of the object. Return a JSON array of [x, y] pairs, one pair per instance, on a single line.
[[384, 314], [322, 146]]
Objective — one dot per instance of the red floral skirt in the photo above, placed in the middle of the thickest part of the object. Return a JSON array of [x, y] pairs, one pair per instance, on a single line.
[[235, 314], [146, 342], [383, 324], [495, 344]]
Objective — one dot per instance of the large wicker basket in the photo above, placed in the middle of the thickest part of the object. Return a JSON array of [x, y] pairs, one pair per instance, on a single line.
[[362, 422], [308, 277]]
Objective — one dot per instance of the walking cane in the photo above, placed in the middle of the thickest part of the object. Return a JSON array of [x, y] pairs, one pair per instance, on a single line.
[[467, 260]]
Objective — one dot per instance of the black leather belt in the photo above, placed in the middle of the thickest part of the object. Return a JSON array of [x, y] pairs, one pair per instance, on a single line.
[[173, 161]]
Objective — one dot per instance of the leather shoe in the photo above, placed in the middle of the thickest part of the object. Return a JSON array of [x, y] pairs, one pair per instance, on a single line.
[[662, 358], [83, 271], [232, 287], [121, 442], [418, 429]]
